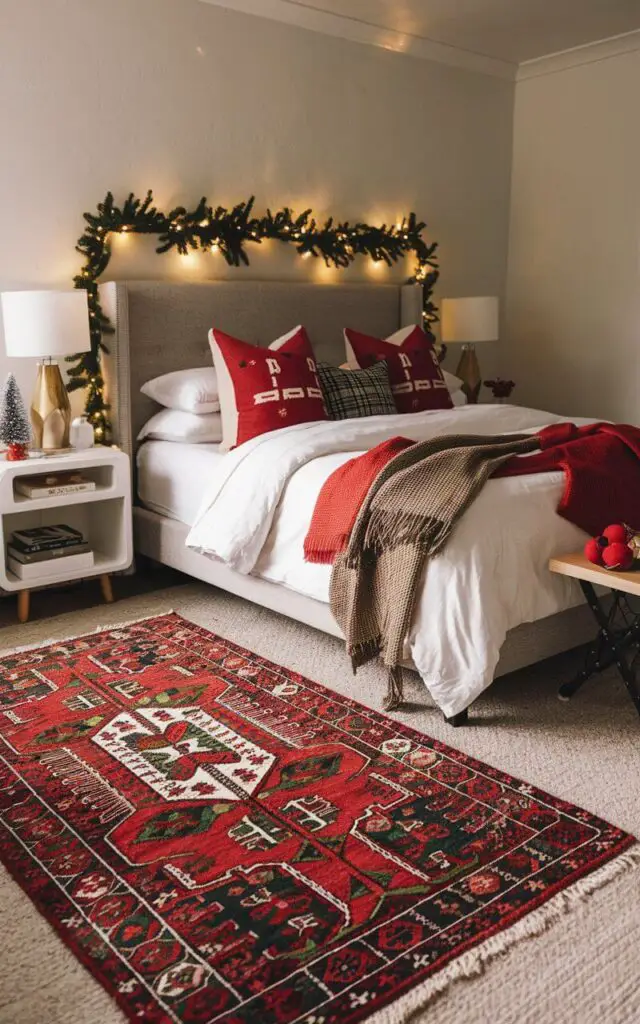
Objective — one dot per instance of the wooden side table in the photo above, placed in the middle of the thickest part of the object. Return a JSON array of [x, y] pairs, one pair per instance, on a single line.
[[618, 640]]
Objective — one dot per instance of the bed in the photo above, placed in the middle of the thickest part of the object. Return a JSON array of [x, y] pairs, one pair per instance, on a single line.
[[455, 644]]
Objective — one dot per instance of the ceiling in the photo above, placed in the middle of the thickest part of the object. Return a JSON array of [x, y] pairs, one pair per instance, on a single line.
[[509, 30]]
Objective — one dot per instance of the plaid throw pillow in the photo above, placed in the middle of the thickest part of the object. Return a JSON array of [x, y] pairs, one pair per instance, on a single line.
[[351, 393]]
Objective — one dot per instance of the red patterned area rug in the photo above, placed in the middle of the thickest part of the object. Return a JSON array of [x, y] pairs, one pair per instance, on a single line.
[[220, 840]]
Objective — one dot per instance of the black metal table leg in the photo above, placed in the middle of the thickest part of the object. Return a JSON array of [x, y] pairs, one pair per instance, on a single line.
[[610, 647]]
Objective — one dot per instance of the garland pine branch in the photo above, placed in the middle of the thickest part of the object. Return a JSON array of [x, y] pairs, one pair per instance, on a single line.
[[229, 232]]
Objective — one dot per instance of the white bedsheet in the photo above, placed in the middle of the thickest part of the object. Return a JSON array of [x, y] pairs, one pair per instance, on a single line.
[[172, 477], [491, 577]]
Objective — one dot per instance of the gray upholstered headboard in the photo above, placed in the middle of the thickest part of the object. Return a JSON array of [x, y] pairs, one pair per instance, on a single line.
[[163, 326]]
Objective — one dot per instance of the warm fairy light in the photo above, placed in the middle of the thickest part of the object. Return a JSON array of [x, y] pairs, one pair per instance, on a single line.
[[382, 245]]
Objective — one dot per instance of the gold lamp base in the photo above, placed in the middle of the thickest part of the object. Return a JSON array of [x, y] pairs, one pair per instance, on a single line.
[[469, 372], [50, 409]]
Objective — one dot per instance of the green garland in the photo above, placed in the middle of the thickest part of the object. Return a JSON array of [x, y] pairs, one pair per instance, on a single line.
[[230, 232]]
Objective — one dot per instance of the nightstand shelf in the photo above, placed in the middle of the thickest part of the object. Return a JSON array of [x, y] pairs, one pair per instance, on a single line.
[[103, 516]]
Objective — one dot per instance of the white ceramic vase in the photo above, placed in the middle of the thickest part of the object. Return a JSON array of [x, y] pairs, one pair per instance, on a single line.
[[81, 433]]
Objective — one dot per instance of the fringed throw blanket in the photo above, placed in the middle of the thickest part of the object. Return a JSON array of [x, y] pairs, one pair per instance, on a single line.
[[407, 516], [340, 500]]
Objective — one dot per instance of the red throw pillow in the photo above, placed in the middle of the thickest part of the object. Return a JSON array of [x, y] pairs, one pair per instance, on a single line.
[[263, 389], [414, 371]]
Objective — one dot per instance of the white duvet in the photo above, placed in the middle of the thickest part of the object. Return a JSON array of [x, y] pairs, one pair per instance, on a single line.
[[491, 577]]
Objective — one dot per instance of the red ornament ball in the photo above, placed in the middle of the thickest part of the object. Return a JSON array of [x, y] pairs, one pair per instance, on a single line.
[[593, 551], [616, 534], [617, 556]]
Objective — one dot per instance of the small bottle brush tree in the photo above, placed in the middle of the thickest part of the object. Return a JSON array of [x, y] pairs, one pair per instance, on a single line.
[[15, 430]]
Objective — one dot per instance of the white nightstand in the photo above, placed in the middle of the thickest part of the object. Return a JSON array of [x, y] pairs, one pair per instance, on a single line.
[[102, 515]]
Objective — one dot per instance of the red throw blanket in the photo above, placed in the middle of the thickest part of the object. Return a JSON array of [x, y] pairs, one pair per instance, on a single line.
[[340, 499], [601, 465]]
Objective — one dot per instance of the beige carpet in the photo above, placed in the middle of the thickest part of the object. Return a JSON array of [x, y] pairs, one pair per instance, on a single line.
[[584, 969]]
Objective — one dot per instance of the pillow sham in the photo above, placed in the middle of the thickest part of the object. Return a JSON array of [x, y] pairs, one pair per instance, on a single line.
[[352, 393], [265, 389], [414, 371], [453, 383], [176, 425], [194, 390]]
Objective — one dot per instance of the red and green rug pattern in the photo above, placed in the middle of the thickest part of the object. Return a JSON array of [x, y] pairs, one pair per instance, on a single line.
[[221, 841]]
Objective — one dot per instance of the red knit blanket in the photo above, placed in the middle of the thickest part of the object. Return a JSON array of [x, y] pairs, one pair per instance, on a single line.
[[601, 465], [340, 499]]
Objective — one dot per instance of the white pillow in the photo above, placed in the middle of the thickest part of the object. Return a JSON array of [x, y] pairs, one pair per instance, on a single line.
[[194, 390], [458, 397], [453, 383], [175, 425]]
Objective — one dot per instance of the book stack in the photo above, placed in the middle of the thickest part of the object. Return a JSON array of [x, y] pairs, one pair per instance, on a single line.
[[47, 551], [51, 485]]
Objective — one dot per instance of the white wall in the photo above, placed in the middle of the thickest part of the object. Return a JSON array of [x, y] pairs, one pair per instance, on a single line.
[[190, 99], [573, 317]]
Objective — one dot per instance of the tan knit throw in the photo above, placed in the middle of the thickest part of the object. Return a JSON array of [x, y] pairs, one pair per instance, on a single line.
[[408, 515]]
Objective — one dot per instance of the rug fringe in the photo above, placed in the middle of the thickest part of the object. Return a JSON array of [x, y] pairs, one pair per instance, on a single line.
[[102, 628], [473, 963]]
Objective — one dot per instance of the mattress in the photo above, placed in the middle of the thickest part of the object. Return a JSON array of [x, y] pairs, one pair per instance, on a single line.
[[173, 477]]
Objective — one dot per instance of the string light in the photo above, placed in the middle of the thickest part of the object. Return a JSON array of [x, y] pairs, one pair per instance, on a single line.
[[187, 232]]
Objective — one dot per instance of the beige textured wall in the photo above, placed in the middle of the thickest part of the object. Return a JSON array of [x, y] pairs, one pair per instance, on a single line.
[[573, 319], [191, 99]]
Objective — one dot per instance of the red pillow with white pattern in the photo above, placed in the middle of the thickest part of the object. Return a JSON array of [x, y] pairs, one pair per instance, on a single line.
[[416, 379], [263, 389]]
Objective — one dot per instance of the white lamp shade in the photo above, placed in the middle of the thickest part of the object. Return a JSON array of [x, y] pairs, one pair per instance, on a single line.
[[470, 320], [52, 323]]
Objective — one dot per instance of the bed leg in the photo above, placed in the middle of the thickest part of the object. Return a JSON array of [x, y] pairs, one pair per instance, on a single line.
[[462, 718]]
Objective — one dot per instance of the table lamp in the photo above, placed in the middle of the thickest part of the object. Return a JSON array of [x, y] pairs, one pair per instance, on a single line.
[[44, 325], [470, 321]]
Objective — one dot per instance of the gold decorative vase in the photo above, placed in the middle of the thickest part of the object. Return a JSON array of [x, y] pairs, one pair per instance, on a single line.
[[50, 409]]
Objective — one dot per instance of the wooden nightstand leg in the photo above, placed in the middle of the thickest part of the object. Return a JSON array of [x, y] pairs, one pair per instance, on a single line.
[[106, 588], [23, 605]]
